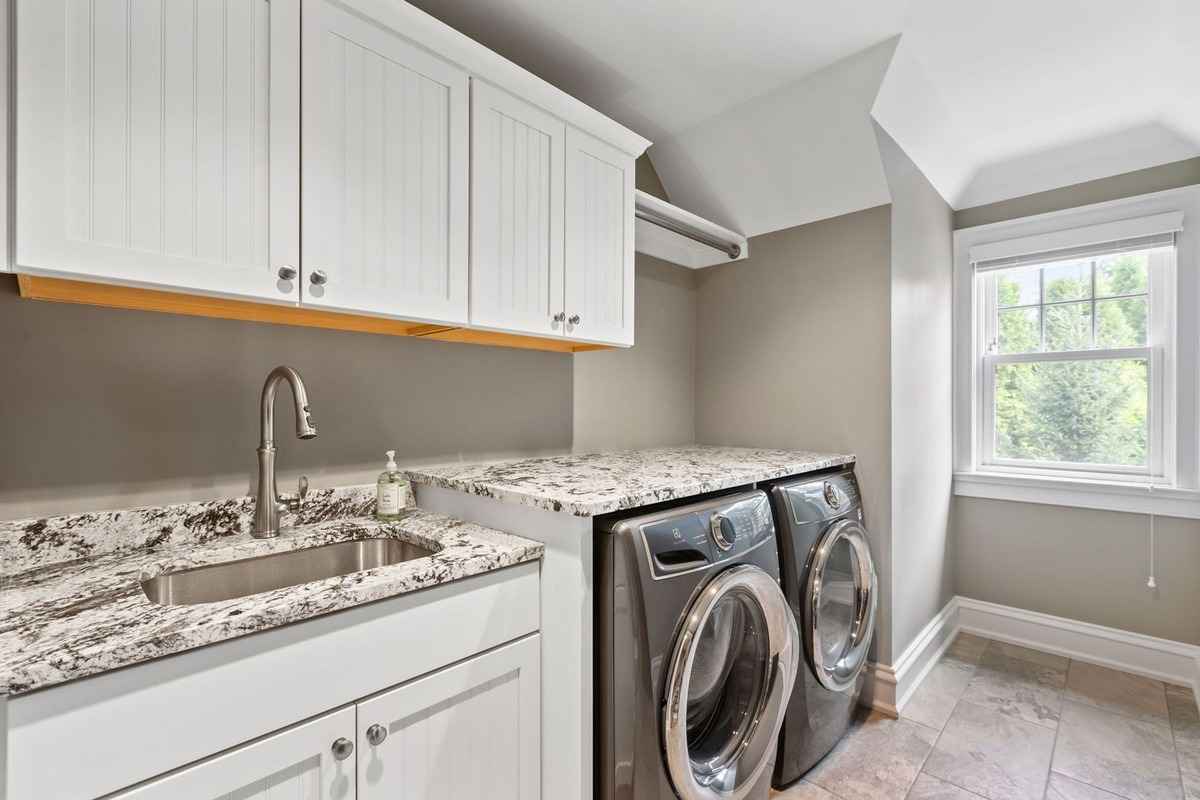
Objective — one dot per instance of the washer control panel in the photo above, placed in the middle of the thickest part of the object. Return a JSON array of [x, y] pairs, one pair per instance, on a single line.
[[697, 536]]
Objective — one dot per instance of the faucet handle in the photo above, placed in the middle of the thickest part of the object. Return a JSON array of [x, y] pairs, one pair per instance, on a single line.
[[297, 502]]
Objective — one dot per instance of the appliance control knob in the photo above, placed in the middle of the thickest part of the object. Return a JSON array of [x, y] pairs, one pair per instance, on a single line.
[[831, 496], [724, 533]]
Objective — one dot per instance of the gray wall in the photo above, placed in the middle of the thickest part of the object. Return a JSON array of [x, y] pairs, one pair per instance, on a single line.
[[1077, 563], [643, 397], [922, 397], [792, 351], [103, 408], [1143, 181], [1080, 564]]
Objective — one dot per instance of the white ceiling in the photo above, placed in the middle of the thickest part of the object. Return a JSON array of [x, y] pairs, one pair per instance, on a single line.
[[991, 99]]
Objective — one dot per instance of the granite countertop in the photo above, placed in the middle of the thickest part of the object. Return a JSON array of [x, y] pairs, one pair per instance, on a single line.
[[72, 604], [596, 483]]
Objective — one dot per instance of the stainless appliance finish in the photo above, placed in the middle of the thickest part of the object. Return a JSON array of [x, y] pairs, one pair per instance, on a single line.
[[829, 579], [697, 652], [268, 503], [249, 576]]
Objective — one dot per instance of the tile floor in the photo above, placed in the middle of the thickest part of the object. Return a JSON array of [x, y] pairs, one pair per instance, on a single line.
[[1002, 722]]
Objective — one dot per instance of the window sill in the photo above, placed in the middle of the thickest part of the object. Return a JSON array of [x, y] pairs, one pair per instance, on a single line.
[[1133, 498]]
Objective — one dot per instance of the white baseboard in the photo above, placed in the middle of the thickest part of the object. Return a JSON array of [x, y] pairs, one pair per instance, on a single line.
[[1162, 659], [889, 686]]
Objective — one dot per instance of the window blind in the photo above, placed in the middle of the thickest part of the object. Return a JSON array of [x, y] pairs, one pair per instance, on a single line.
[[1132, 244]]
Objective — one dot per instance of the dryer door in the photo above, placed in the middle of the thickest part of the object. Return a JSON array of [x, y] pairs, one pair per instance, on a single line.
[[839, 608], [728, 685]]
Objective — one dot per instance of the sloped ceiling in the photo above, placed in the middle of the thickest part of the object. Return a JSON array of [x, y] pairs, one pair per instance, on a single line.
[[761, 110]]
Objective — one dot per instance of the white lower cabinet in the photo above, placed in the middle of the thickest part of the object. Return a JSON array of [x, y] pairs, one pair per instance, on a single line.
[[471, 730], [295, 764]]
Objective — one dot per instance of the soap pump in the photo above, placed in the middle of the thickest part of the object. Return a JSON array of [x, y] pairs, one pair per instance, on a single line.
[[392, 491]]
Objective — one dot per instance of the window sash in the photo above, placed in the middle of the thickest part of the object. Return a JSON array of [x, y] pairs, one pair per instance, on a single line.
[[1154, 469], [1160, 466]]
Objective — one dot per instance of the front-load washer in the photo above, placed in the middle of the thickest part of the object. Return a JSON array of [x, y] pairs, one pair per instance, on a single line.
[[696, 652], [829, 580]]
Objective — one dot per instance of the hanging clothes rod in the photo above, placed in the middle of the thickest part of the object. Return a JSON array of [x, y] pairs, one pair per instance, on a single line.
[[732, 249]]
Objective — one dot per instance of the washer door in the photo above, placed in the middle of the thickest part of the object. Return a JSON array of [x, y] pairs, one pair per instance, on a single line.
[[839, 615], [728, 684]]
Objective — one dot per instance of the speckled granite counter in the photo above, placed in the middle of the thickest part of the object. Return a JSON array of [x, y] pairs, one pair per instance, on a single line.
[[71, 604], [596, 483]]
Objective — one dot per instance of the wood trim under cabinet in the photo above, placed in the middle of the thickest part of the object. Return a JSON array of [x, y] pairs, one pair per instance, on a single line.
[[62, 290]]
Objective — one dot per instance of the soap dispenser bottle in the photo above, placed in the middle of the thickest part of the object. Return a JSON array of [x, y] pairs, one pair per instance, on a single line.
[[392, 491]]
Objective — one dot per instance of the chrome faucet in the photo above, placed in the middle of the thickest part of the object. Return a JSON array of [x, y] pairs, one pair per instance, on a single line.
[[269, 504]]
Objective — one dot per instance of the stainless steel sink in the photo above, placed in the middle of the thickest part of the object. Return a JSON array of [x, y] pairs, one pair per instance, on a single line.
[[249, 576]]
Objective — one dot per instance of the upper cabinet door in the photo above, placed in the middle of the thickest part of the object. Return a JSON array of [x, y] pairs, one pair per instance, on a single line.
[[158, 143], [472, 730], [599, 271], [385, 167], [516, 214], [312, 761]]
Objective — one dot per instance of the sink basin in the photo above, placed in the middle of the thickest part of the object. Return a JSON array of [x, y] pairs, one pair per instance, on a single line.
[[249, 576]]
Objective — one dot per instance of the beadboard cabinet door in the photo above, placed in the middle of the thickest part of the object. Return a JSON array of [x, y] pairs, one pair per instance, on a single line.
[[599, 266], [295, 764], [469, 731], [158, 143], [516, 214], [385, 167]]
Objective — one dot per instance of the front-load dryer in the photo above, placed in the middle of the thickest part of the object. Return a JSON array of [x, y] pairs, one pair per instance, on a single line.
[[696, 652], [829, 580]]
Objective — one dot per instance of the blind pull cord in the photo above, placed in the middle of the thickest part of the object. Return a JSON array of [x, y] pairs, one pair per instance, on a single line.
[[1151, 583]]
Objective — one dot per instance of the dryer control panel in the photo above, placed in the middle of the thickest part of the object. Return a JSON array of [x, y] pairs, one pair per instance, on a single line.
[[695, 537]]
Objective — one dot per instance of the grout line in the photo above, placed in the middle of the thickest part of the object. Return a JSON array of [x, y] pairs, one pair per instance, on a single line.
[[1057, 731]]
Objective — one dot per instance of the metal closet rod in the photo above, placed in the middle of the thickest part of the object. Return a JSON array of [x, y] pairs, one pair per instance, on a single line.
[[731, 249]]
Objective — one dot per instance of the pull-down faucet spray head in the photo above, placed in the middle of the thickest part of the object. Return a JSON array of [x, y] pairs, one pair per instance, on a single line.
[[267, 506]]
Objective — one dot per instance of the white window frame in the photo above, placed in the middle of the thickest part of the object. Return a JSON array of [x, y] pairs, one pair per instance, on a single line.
[[1170, 484]]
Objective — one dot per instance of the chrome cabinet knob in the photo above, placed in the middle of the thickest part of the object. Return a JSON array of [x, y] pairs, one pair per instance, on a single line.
[[574, 319], [376, 734], [287, 273], [342, 748], [318, 277], [560, 316]]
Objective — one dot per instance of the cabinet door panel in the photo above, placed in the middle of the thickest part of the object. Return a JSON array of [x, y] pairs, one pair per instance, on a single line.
[[386, 157], [516, 207], [471, 730], [158, 143], [599, 269], [294, 764]]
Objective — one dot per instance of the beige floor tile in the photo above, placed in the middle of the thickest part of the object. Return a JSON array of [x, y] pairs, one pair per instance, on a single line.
[[928, 787], [1129, 757], [878, 759], [992, 754], [934, 700], [1063, 788], [803, 791], [1017, 687], [1119, 692], [1185, 717], [1189, 765], [1029, 654], [966, 647]]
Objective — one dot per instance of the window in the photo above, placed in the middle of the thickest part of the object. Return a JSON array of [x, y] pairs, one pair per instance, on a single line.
[[1077, 344], [1068, 368]]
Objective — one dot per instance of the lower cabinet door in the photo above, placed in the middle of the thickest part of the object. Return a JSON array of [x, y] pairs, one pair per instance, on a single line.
[[469, 731], [310, 761]]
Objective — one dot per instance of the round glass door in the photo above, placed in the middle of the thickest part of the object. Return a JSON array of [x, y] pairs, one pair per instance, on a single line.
[[729, 680], [839, 614]]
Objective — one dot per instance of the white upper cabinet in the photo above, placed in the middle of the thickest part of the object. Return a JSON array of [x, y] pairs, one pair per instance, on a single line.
[[311, 761], [516, 214], [158, 143], [385, 170], [599, 265]]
